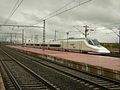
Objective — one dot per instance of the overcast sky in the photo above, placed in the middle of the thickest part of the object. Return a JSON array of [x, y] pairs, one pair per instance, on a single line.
[[101, 15]]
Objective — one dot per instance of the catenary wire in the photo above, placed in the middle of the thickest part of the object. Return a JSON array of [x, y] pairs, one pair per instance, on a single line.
[[56, 10], [48, 17], [13, 11], [69, 9]]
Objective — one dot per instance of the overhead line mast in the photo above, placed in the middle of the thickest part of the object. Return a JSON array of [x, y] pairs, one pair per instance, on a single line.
[[43, 34], [86, 30]]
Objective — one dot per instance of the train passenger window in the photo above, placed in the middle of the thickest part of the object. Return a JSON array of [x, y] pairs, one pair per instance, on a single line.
[[36, 44], [55, 45], [44, 45]]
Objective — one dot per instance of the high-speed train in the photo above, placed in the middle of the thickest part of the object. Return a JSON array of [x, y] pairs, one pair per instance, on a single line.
[[83, 45]]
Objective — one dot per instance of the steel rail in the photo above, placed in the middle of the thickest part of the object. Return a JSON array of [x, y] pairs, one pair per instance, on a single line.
[[84, 79], [12, 78], [96, 76], [117, 81], [99, 77], [47, 83], [71, 75]]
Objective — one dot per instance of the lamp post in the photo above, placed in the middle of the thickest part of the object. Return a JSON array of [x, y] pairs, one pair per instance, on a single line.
[[67, 38], [119, 38], [119, 41], [43, 35], [55, 35], [22, 37]]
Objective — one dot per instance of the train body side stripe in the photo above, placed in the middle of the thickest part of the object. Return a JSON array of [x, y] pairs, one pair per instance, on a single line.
[[73, 50]]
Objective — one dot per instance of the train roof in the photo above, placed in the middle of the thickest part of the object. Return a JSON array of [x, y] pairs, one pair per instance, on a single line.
[[60, 40], [75, 39], [72, 39]]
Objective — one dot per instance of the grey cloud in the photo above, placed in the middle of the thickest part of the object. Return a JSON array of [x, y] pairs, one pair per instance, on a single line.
[[102, 13], [32, 18]]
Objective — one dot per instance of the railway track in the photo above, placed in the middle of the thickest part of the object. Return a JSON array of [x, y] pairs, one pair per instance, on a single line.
[[20, 77], [61, 81], [88, 80]]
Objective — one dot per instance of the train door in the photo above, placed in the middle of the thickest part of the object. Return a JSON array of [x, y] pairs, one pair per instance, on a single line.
[[64, 45], [68, 46], [74, 46], [71, 45], [81, 46]]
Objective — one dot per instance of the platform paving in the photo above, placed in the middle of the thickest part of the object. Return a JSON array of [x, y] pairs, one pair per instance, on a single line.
[[102, 61]]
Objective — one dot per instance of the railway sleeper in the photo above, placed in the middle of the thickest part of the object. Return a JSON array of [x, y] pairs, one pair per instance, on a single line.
[[112, 88], [30, 85], [107, 84], [12, 88], [102, 82], [33, 88], [116, 88]]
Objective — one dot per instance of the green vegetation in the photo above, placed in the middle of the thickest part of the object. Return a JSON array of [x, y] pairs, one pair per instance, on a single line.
[[111, 46]]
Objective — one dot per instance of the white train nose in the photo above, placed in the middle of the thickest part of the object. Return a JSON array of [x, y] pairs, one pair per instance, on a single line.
[[103, 51]]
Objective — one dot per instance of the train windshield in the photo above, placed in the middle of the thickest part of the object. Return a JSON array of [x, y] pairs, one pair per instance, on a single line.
[[90, 42], [96, 43], [93, 42]]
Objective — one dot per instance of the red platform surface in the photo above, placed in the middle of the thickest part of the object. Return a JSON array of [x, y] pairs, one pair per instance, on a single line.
[[102, 61]]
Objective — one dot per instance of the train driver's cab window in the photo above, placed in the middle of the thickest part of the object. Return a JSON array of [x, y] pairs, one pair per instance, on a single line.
[[96, 43], [90, 42]]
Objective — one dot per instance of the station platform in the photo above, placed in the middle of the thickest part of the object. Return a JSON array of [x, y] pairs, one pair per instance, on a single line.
[[99, 62], [1, 83]]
